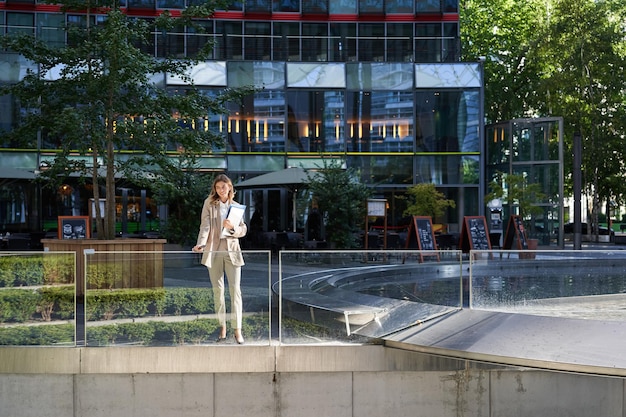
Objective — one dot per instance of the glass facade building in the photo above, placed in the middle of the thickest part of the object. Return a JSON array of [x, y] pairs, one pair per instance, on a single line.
[[378, 86]]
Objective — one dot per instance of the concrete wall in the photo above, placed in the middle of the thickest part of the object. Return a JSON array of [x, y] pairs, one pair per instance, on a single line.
[[286, 381]]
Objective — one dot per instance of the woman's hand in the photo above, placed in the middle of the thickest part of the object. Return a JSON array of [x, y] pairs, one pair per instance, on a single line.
[[198, 249], [227, 224]]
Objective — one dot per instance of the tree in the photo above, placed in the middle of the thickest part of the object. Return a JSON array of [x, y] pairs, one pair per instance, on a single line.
[[99, 98], [558, 58], [507, 33], [342, 200], [517, 191], [184, 194], [425, 200], [587, 49]]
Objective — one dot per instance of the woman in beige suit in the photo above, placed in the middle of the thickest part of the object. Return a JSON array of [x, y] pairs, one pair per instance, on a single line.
[[222, 254]]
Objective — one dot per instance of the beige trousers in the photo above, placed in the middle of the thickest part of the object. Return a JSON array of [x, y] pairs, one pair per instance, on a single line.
[[222, 265]]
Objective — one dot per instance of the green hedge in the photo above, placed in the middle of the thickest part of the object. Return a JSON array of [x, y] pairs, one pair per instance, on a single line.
[[38, 269]]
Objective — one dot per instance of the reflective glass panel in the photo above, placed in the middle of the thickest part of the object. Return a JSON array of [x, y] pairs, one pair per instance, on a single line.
[[343, 42], [447, 121], [257, 42], [314, 42], [343, 7], [380, 121], [315, 121], [399, 6], [50, 28], [228, 40], [286, 41], [258, 123], [383, 169], [286, 5], [399, 42], [315, 6]]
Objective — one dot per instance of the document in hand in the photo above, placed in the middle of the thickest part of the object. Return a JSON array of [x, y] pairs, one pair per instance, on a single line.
[[235, 215]]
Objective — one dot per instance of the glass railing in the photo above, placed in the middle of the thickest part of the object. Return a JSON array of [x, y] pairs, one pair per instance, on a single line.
[[356, 296], [589, 284], [292, 297], [166, 299], [37, 298]]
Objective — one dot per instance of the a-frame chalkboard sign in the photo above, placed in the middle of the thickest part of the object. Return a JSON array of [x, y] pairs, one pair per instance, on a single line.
[[515, 229], [474, 234], [421, 236]]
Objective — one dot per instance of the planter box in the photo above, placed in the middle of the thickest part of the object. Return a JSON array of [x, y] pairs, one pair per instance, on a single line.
[[140, 261]]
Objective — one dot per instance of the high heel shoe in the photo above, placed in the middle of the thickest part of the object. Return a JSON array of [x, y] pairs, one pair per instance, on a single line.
[[221, 338], [238, 338]]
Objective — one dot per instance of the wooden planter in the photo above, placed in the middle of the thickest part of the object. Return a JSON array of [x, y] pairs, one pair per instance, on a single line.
[[138, 263]]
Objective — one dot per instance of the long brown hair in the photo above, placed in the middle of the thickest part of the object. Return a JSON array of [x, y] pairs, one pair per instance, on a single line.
[[214, 198]]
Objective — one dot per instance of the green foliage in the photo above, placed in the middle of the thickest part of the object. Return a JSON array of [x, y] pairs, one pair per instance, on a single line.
[[342, 198], [59, 268], [103, 275], [18, 305], [17, 271], [37, 335], [516, 191], [558, 58], [425, 200], [184, 192], [56, 302]]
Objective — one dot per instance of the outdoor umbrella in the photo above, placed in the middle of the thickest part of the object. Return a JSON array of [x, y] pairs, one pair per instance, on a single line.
[[290, 178]]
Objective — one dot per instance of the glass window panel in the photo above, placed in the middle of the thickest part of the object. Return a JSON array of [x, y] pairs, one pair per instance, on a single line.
[[451, 42], [286, 5], [400, 42], [199, 38], [314, 42], [261, 74], [447, 121], [451, 6], [20, 23], [497, 139], [399, 6], [286, 41], [331, 75], [50, 28], [7, 117], [141, 4], [228, 40], [428, 42], [380, 121], [259, 6], [343, 7], [170, 4], [380, 76], [315, 121], [257, 124], [427, 6], [371, 42], [257, 41], [315, 6], [371, 6], [343, 42], [171, 44], [442, 169], [255, 163], [379, 169]]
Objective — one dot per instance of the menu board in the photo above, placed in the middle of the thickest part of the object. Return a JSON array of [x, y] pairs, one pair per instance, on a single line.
[[475, 234], [421, 235], [515, 229], [74, 227]]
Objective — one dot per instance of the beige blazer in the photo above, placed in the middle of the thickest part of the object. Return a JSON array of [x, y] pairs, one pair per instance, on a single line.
[[210, 234]]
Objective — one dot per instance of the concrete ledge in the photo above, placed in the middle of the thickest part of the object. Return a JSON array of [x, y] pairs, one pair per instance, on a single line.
[[217, 359]]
